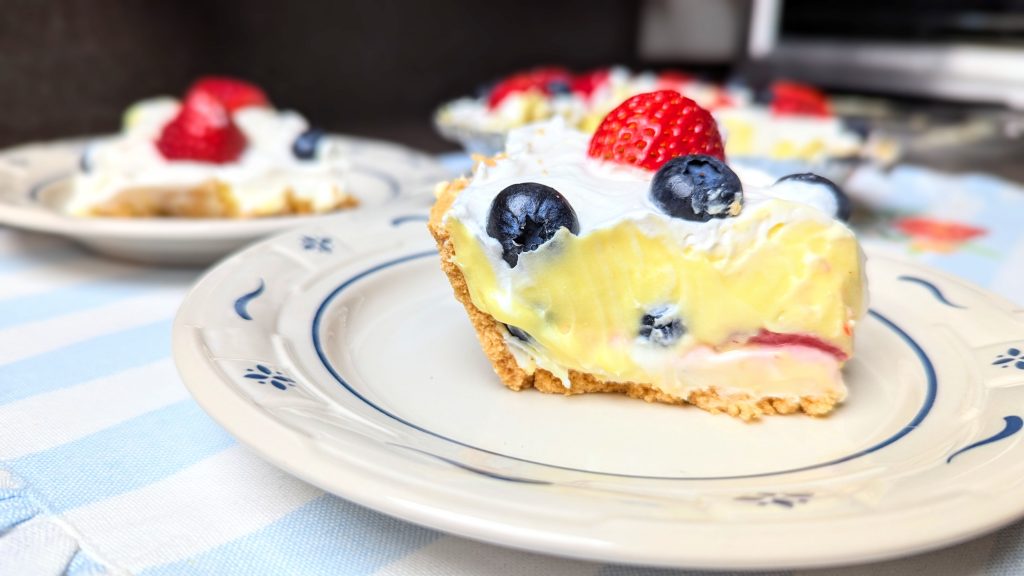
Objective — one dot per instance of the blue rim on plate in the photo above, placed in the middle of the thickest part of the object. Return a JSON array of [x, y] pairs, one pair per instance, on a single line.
[[922, 413]]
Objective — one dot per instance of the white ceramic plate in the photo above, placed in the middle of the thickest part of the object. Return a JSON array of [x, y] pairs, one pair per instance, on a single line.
[[338, 353], [35, 182]]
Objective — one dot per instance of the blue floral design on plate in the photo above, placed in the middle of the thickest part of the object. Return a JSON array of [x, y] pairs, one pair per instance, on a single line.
[[242, 303], [780, 499], [265, 375], [1013, 357], [323, 244], [1011, 425]]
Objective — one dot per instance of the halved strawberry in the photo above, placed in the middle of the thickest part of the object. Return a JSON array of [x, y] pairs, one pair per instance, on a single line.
[[538, 79], [202, 131], [793, 99], [650, 129], [231, 92]]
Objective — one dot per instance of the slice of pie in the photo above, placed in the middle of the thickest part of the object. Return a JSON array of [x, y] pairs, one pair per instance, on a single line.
[[637, 262], [223, 151]]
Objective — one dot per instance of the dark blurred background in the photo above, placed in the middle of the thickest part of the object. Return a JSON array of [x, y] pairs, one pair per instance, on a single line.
[[377, 68], [380, 68]]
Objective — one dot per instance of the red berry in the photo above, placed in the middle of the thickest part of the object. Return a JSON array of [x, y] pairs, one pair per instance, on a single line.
[[538, 79], [793, 99], [720, 99], [202, 131], [587, 82], [673, 79], [230, 92], [650, 129], [768, 338]]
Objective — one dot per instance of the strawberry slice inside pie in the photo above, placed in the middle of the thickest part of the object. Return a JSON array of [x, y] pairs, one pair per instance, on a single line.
[[637, 262]]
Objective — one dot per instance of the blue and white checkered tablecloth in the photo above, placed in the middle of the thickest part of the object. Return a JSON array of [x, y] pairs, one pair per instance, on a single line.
[[108, 467]]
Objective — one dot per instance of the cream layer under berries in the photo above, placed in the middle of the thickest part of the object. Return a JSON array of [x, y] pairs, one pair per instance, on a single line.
[[636, 261], [223, 151]]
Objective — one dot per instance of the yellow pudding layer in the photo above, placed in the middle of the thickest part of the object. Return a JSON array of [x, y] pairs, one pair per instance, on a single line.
[[581, 298]]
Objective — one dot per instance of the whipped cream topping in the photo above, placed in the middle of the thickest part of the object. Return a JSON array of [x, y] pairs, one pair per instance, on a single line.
[[260, 180], [514, 111], [604, 193]]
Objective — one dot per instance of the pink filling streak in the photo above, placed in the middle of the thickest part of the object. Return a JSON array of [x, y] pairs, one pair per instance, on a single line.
[[767, 338]]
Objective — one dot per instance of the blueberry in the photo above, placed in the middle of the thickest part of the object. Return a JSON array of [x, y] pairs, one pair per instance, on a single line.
[[85, 160], [482, 91], [763, 96], [859, 126], [696, 188], [661, 326], [842, 201], [518, 333], [524, 216], [305, 144], [559, 87], [736, 84]]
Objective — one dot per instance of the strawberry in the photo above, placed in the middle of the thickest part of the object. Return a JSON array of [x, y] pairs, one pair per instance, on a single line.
[[538, 79], [587, 82], [673, 79], [768, 338], [650, 129], [202, 131], [793, 99], [230, 92], [721, 99]]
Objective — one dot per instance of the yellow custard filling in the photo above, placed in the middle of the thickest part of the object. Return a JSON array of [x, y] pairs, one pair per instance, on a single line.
[[582, 298]]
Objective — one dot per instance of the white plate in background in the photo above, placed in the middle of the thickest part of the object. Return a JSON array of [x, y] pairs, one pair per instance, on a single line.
[[35, 181]]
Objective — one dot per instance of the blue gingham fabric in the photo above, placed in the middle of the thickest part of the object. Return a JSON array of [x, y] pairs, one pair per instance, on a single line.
[[108, 467]]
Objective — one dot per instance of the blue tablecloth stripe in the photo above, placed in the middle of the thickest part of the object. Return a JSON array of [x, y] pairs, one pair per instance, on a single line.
[[93, 358], [15, 509], [123, 457], [69, 299]]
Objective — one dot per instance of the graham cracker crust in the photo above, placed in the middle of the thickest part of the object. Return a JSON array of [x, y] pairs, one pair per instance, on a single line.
[[211, 199], [491, 335]]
